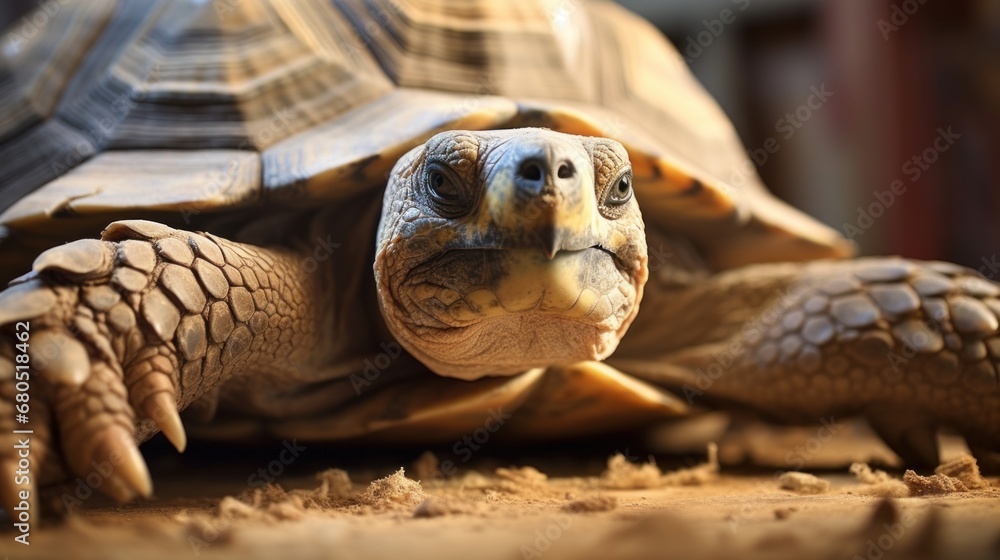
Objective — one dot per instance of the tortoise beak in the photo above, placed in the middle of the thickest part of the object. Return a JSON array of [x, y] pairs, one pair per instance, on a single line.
[[540, 194], [553, 243]]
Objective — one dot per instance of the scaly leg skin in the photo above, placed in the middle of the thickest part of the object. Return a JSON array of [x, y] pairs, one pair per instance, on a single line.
[[135, 327], [913, 346]]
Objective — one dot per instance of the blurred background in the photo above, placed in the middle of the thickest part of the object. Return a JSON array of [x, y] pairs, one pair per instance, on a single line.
[[900, 71], [895, 74]]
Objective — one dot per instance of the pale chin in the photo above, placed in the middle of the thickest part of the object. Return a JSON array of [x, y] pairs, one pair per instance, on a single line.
[[511, 345]]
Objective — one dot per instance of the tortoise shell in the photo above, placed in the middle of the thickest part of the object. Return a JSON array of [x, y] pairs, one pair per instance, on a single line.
[[179, 109]]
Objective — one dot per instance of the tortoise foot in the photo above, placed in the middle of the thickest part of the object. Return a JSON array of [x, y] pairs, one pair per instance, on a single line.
[[913, 346], [106, 340]]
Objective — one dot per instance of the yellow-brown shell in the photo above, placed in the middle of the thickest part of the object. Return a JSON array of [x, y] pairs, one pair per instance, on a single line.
[[168, 109]]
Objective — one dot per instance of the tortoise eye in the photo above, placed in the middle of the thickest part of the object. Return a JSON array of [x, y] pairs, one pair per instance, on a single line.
[[619, 193], [442, 188], [445, 193]]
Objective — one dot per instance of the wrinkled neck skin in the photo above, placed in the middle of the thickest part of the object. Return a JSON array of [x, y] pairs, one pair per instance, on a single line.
[[503, 251]]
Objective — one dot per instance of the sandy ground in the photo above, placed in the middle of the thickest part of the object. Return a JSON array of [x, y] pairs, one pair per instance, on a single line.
[[550, 504]]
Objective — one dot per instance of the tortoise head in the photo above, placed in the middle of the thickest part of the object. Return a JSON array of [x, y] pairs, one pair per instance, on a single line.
[[500, 251]]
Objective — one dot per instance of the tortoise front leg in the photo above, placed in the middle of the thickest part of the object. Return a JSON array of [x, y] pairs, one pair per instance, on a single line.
[[913, 346], [137, 326]]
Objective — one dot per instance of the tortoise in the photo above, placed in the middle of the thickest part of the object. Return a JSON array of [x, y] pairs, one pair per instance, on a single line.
[[409, 221]]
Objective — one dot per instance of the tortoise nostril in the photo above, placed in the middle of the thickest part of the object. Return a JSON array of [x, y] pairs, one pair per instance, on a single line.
[[566, 170], [530, 170]]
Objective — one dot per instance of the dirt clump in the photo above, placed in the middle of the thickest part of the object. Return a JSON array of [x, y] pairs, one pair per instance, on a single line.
[[966, 470], [392, 492], [620, 474], [803, 483], [592, 504], [867, 475], [441, 506]]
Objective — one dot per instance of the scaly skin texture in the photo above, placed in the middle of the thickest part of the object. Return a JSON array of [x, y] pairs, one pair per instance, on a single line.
[[530, 260], [126, 331], [913, 346], [129, 329]]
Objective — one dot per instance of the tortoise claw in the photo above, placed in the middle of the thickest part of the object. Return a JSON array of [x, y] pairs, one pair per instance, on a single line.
[[25, 301], [119, 491], [116, 459], [132, 471], [84, 257], [162, 410], [60, 358]]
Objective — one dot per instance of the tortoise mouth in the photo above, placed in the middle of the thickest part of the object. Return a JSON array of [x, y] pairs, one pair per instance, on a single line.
[[488, 251], [460, 287]]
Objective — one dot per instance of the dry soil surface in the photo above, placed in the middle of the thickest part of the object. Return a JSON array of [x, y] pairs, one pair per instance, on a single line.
[[625, 508]]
